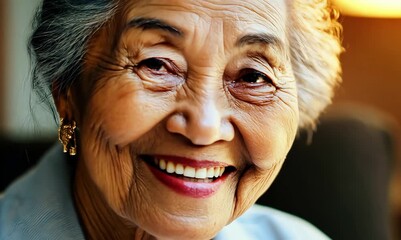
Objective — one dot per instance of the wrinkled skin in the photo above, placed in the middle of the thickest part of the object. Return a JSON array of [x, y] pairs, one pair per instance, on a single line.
[[196, 93]]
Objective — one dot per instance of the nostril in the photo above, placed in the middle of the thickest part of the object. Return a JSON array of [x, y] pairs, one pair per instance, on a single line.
[[201, 127], [200, 130]]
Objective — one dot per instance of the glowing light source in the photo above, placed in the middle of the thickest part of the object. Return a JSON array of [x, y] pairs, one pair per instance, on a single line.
[[370, 8]]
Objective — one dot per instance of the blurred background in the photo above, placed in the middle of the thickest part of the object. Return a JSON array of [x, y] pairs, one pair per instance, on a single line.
[[16, 99], [371, 73]]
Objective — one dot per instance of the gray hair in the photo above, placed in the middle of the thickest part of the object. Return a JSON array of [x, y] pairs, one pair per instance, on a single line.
[[315, 48], [63, 29]]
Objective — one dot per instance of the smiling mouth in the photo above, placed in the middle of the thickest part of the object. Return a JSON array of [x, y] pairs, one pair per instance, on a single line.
[[181, 170], [189, 177]]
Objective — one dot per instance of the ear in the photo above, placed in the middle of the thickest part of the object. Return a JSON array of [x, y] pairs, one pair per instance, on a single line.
[[63, 102]]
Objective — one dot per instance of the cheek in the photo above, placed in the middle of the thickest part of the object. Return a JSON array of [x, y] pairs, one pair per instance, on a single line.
[[125, 112], [117, 116], [269, 133]]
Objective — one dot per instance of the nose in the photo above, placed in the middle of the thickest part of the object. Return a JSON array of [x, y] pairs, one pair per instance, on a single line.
[[202, 122]]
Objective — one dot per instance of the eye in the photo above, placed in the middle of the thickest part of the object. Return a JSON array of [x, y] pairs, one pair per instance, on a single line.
[[158, 74], [253, 76], [252, 86], [155, 65]]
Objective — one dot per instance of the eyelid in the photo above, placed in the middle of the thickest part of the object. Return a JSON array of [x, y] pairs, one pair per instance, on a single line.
[[171, 65], [256, 60], [262, 61], [268, 55], [139, 52], [168, 64], [165, 54], [265, 70], [262, 75]]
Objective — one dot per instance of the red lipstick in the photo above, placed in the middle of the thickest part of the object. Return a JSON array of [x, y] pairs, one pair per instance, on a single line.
[[191, 187]]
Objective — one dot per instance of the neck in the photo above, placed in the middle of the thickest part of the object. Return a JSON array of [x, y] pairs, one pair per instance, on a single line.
[[97, 218]]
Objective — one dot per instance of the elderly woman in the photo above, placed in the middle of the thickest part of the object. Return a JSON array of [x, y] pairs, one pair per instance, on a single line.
[[175, 116]]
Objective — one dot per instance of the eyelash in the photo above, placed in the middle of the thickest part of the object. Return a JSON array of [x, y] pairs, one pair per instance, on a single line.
[[256, 75], [252, 86], [247, 77], [155, 64]]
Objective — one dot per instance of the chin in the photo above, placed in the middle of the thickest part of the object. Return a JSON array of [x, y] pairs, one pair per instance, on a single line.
[[182, 230], [178, 225]]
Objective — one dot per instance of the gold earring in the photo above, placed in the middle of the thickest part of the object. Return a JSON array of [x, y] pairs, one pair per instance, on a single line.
[[66, 135]]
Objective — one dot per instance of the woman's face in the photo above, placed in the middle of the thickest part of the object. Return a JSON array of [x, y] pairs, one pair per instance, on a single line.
[[173, 92]]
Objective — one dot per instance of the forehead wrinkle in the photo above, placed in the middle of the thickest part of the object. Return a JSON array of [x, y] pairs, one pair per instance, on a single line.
[[213, 42], [153, 23], [268, 18], [265, 39], [263, 9]]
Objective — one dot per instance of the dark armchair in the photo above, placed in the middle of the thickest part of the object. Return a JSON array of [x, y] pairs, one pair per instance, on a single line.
[[340, 181]]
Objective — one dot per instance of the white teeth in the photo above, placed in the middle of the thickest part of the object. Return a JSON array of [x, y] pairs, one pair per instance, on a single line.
[[222, 171], [189, 172], [179, 169], [216, 171], [162, 164], [210, 172], [170, 167], [201, 173]]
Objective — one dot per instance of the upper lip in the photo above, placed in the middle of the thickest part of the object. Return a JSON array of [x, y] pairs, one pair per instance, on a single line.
[[192, 162]]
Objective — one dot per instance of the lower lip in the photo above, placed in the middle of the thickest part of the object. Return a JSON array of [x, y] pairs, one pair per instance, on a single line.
[[188, 188]]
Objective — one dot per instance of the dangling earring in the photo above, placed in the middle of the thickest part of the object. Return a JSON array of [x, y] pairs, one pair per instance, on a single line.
[[66, 135]]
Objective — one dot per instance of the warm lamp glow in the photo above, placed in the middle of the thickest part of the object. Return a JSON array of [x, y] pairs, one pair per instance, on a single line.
[[370, 8]]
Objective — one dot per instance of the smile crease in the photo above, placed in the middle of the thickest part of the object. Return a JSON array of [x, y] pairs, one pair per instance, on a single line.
[[187, 171]]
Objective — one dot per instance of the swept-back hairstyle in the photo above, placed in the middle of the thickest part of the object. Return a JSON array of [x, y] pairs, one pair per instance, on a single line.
[[315, 47], [63, 28], [61, 31]]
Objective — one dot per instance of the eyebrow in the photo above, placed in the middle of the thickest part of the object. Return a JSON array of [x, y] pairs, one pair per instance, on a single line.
[[258, 38], [249, 39], [153, 23]]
